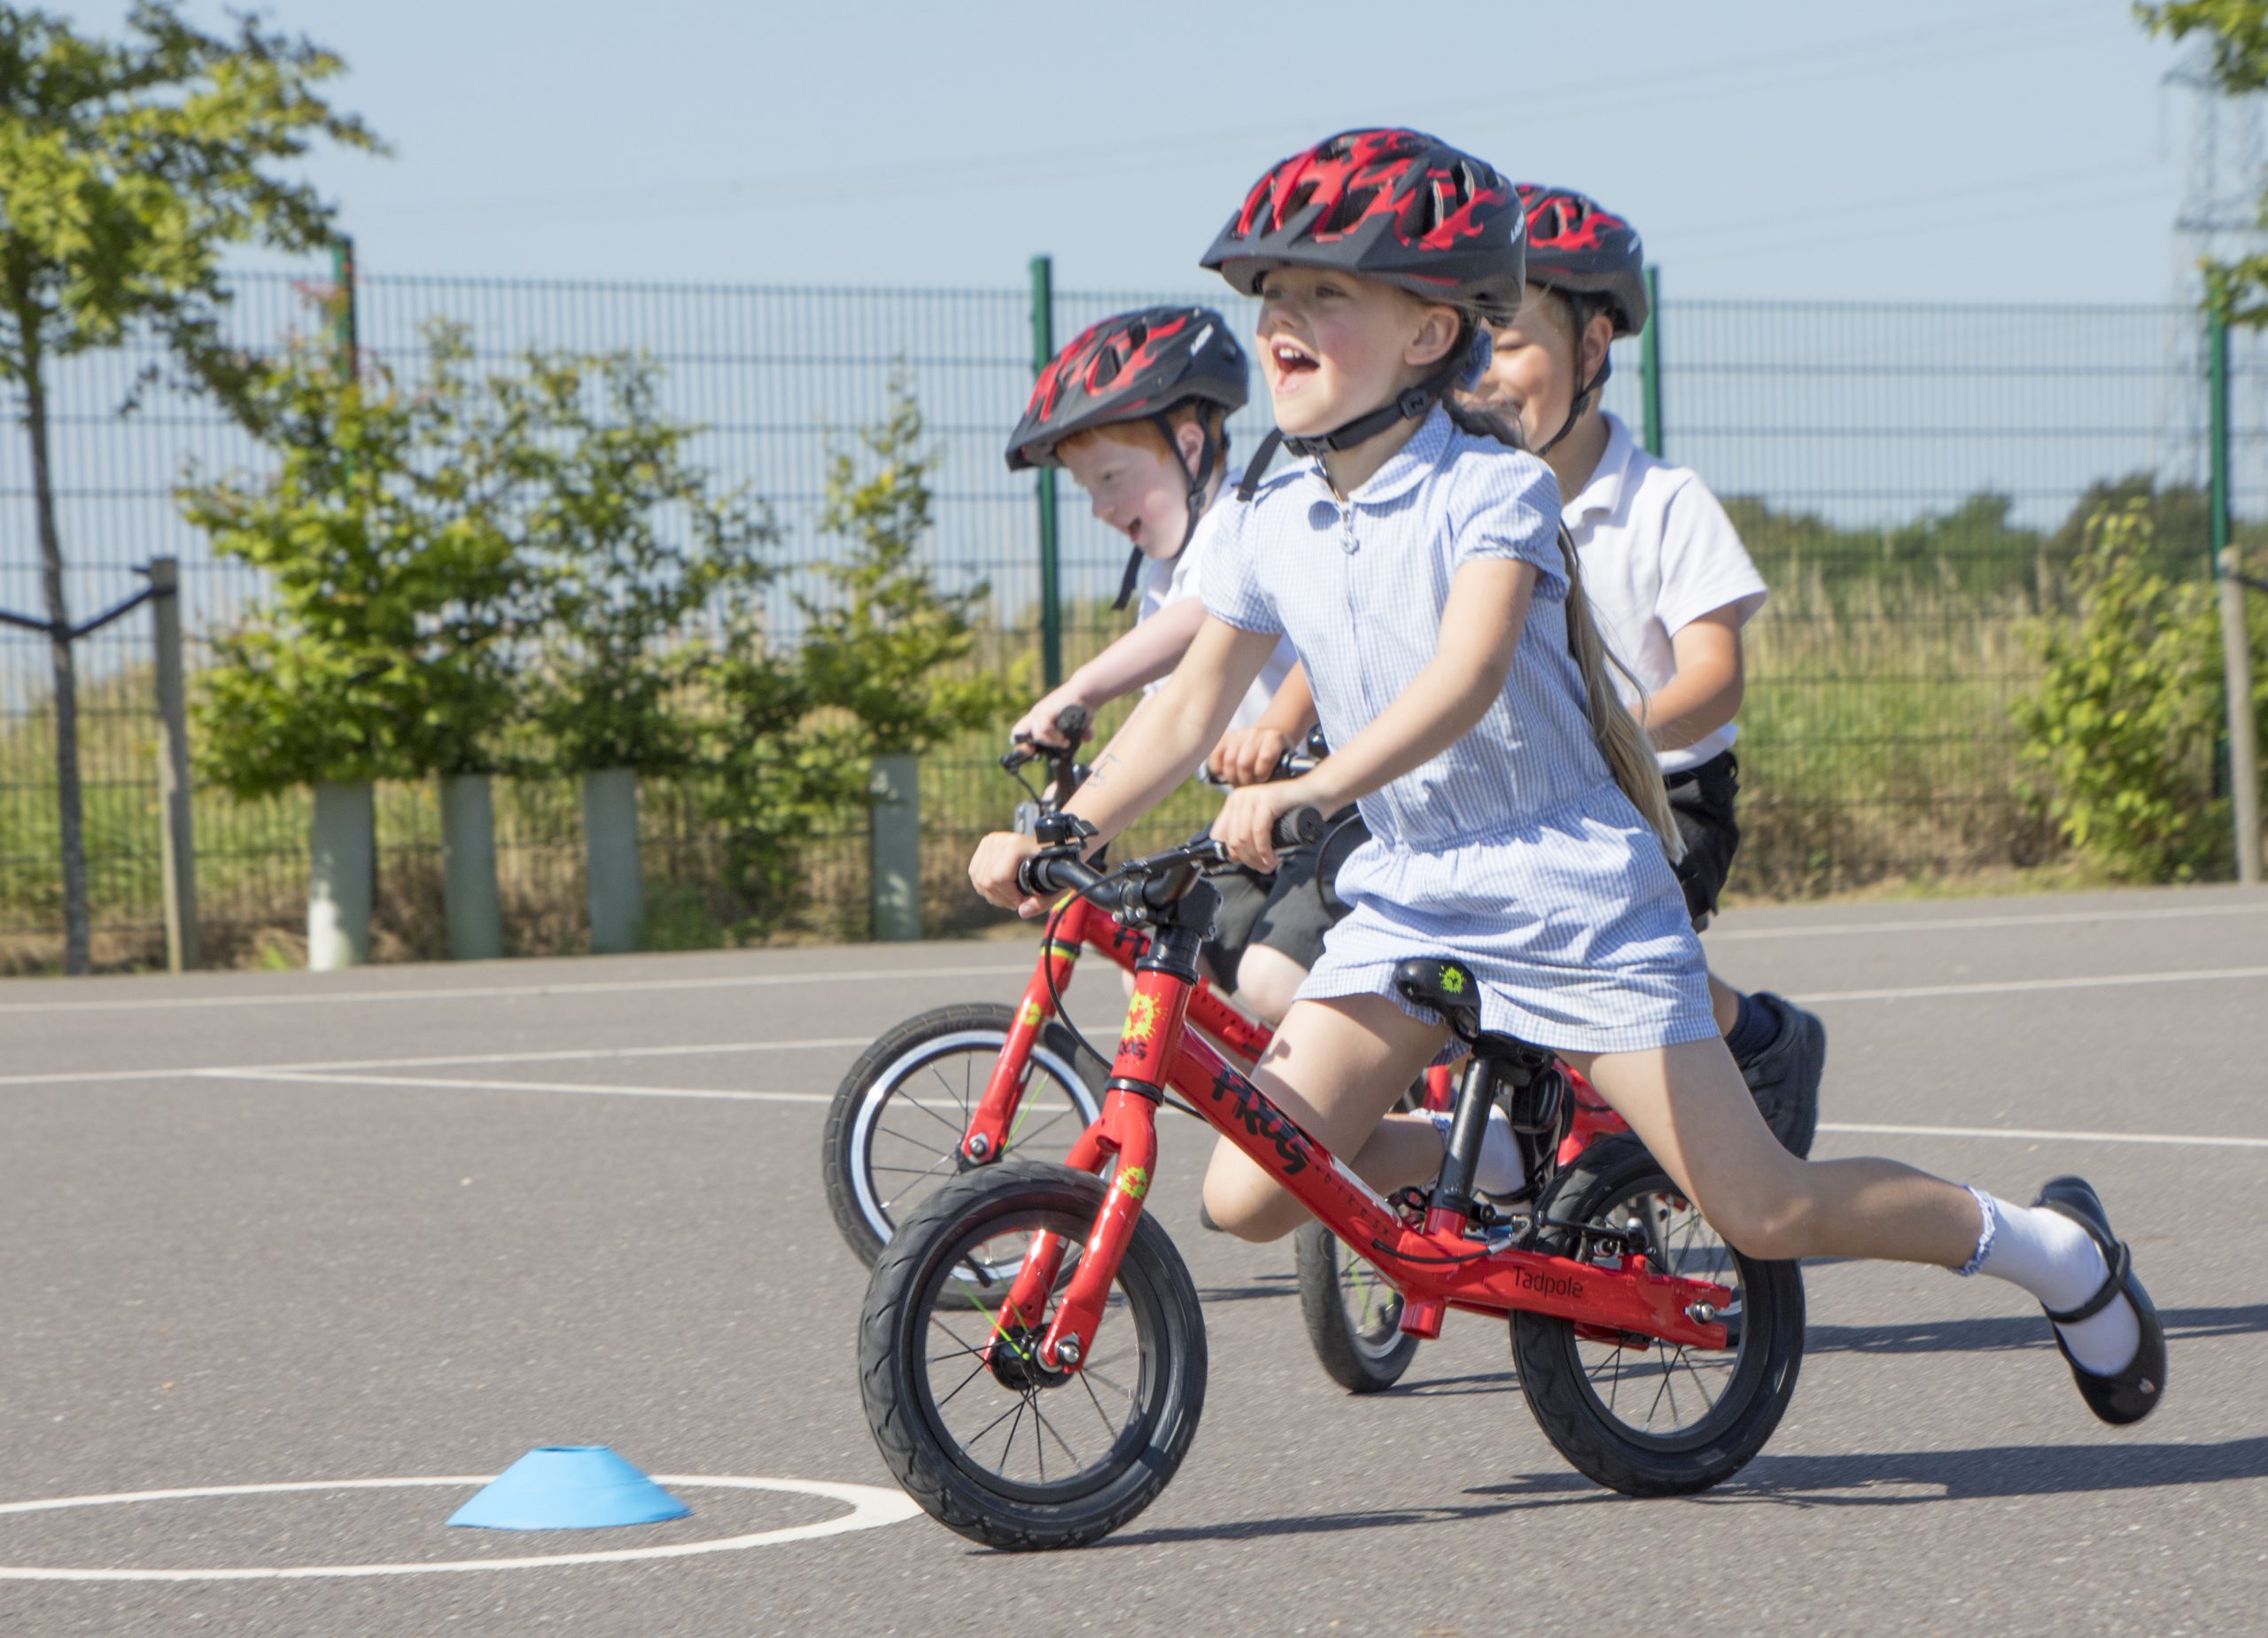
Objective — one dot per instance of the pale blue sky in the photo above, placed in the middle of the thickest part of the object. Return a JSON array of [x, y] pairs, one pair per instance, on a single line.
[[1940, 150]]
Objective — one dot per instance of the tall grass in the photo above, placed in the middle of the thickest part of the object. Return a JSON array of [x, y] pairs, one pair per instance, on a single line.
[[1876, 744]]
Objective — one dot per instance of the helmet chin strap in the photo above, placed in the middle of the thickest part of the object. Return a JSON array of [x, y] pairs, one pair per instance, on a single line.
[[1411, 404], [1575, 404], [1197, 480], [1464, 366]]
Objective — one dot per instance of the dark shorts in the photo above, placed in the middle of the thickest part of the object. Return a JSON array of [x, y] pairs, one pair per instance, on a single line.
[[1701, 801], [1284, 912]]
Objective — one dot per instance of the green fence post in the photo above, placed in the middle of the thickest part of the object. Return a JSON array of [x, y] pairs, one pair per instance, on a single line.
[[1650, 360], [2243, 742], [342, 317], [1051, 578]]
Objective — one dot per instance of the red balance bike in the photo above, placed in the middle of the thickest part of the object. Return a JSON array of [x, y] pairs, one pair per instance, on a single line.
[[1032, 1353], [962, 1086]]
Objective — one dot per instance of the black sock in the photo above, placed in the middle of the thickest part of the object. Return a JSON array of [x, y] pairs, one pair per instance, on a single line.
[[1756, 1028]]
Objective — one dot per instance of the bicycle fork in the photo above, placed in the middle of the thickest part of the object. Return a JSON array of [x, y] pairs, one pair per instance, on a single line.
[[1127, 1129]]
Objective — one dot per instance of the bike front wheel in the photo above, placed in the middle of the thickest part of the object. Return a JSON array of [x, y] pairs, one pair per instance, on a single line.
[[990, 1443], [1638, 1414], [1354, 1317], [895, 1128]]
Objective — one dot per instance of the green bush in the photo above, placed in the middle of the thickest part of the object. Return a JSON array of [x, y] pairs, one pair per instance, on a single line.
[[2126, 721]]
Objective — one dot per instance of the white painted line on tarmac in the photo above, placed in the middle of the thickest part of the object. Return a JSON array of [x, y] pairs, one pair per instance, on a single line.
[[811, 1044], [511, 1086], [2025, 986], [870, 1506], [2169, 1139], [1965, 924], [757, 981]]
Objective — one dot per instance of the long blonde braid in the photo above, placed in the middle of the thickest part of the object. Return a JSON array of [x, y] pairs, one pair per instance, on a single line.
[[1629, 754]]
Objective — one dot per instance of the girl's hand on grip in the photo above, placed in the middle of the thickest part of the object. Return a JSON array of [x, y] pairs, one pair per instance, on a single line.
[[1248, 756], [1247, 822], [992, 871]]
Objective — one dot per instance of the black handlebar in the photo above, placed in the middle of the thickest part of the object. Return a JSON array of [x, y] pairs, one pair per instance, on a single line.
[[1144, 885]]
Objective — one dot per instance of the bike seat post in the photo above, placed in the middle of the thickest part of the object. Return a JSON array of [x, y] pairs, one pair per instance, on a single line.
[[1452, 1205], [1476, 1094]]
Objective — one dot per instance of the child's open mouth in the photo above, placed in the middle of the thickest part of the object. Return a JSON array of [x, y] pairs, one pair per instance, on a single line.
[[1292, 364]]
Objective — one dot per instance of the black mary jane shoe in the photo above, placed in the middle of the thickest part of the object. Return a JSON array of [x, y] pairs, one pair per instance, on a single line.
[[2130, 1394]]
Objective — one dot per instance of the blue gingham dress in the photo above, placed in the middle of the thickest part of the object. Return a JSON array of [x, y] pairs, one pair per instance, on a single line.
[[1513, 851]]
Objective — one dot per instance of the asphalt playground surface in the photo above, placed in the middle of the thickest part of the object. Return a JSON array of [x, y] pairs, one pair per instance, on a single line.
[[290, 1230]]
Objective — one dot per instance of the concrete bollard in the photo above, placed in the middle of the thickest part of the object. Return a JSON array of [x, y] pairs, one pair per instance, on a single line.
[[894, 847], [469, 868], [341, 864], [610, 859]]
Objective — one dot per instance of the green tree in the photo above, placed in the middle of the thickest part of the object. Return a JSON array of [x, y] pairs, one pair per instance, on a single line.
[[882, 668], [890, 649], [2235, 33], [400, 589], [2125, 719], [634, 550], [125, 168]]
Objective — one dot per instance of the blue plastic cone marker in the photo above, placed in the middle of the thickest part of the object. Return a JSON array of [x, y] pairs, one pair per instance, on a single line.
[[569, 1488]]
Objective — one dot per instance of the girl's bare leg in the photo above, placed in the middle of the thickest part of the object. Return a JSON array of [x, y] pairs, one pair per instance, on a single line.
[[1336, 1068], [1689, 1107]]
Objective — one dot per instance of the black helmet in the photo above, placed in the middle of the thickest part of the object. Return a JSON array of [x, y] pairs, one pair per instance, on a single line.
[[1133, 367], [1136, 367], [1395, 206], [1576, 247]]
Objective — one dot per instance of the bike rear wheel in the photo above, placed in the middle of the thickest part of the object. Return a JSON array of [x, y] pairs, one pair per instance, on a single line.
[[894, 1131], [1354, 1317], [997, 1448], [1636, 1414]]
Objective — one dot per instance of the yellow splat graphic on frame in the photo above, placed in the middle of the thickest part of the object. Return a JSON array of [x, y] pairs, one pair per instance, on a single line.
[[1134, 1182], [1029, 1014], [1141, 1019]]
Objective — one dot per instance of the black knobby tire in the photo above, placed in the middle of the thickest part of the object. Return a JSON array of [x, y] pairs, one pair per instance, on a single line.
[[1614, 1411], [934, 1065], [1149, 1349], [1353, 1316]]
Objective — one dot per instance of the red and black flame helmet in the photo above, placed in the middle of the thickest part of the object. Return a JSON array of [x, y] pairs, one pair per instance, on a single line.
[[1575, 245], [1395, 206], [1133, 367]]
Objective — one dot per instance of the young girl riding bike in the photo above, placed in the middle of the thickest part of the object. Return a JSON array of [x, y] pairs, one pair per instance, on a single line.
[[1518, 820], [1668, 582], [1135, 410]]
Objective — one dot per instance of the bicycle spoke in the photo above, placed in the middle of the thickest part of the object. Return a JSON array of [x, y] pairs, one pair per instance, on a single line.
[[1656, 1405], [1708, 1399], [969, 1444], [1009, 1445], [1078, 1459], [1017, 1135], [912, 1102], [965, 1381], [1089, 1370], [1109, 1429]]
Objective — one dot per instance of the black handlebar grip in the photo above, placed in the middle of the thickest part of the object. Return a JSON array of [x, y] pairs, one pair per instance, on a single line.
[[1071, 723], [1300, 827]]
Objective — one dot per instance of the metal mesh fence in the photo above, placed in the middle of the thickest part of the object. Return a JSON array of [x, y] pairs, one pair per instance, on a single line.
[[1907, 478]]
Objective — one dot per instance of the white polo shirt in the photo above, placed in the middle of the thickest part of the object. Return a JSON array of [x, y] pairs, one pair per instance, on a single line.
[[1164, 584], [1657, 553]]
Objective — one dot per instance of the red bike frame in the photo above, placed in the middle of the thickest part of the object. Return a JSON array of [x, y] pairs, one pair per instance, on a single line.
[[1435, 1267], [1075, 926], [1080, 925]]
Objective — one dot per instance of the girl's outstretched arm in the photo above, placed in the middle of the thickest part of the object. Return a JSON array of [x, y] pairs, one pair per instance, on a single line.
[[1160, 745], [1480, 633]]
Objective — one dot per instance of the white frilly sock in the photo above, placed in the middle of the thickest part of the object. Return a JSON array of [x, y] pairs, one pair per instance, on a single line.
[[2056, 1260]]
